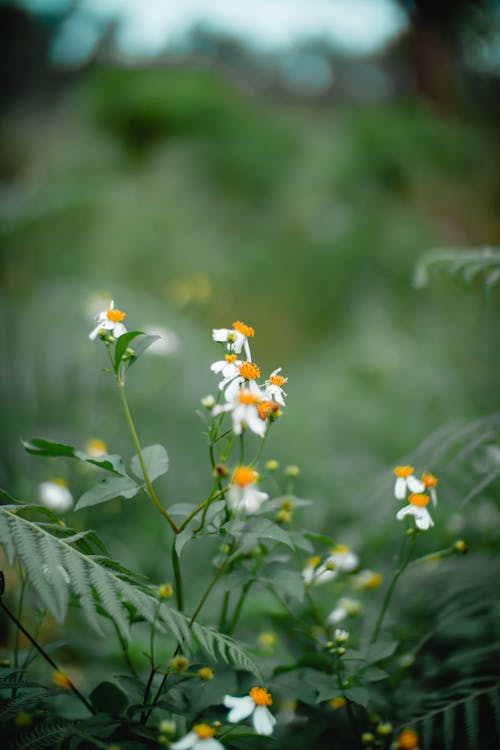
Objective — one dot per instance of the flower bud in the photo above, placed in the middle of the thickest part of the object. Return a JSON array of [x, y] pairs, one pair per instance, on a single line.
[[179, 663], [208, 401], [292, 471], [205, 674], [165, 591], [272, 464], [460, 546]]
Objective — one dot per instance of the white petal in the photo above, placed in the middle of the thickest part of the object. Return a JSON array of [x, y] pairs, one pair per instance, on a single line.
[[434, 496], [414, 484], [232, 389], [263, 721], [186, 742], [324, 574], [118, 330], [247, 348], [218, 366], [400, 488], [111, 304], [240, 707], [254, 422], [220, 334], [93, 334], [407, 510], [423, 519], [210, 743]]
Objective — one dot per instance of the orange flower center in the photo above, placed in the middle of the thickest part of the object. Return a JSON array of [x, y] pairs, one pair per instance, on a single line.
[[247, 397], [261, 697], [340, 549], [418, 499], [429, 480], [244, 475], [230, 358], [203, 731], [61, 680], [249, 370], [60, 482], [403, 471], [265, 408], [407, 740], [115, 315], [313, 561], [247, 331], [278, 380]]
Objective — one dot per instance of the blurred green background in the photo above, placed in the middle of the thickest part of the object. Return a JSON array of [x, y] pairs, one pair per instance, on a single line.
[[202, 188]]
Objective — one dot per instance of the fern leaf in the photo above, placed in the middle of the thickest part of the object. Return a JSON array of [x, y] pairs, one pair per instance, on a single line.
[[472, 723], [427, 727], [449, 728], [54, 567], [494, 699], [44, 735]]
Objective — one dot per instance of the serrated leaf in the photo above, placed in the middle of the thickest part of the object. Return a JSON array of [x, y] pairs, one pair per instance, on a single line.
[[108, 489], [284, 581], [155, 459], [262, 528], [373, 674], [380, 650]]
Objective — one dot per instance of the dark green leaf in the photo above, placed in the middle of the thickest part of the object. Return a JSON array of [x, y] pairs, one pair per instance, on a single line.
[[40, 447], [381, 650], [107, 698], [284, 581], [108, 489], [262, 528], [181, 539], [121, 346]]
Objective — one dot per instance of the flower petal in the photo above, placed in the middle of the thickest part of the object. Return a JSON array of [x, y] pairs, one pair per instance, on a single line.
[[186, 742], [210, 743], [414, 484], [263, 721], [400, 488], [407, 510], [240, 707]]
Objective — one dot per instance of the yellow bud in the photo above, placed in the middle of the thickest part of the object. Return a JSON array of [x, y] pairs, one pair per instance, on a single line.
[[367, 737], [60, 679], [272, 464], [283, 516], [179, 663], [385, 728], [205, 674], [165, 591], [292, 471], [460, 546], [338, 702], [267, 639], [23, 719]]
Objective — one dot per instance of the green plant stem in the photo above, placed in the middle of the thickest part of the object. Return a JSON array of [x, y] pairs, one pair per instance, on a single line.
[[205, 596], [242, 449], [260, 448], [19, 616], [203, 506], [151, 491], [223, 612], [124, 647], [392, 586], [47, 658], [179, 590], [239, 606]]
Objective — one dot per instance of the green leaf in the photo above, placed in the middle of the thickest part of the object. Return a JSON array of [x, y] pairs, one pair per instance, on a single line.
[[107, 698], [109, 489], [284, 581], [181, 539], [262, 528], [142, 342], [39, 447], [380, 650], [373, 674], [155, 459], [358, 695]]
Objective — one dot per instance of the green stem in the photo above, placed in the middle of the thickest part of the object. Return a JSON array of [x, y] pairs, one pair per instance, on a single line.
[[260, 448], [151, 491], [19, 616], [47, 658], [124, 647], [223, 613], [205, 505], [239, 606], [392, 586], [179, 591], [205, 596]]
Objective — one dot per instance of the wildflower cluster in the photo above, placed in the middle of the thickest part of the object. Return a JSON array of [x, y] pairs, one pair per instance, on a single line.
[[407, 482]]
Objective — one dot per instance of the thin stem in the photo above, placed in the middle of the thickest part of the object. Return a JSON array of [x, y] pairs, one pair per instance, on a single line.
[[124, 647], [260, 448], [47, 658], [242, 448], [206, 504], [179, 591], [151, 491], [223, 613], [145, 714], [239, 606], [19, 616], [390, 590], [205, 596]]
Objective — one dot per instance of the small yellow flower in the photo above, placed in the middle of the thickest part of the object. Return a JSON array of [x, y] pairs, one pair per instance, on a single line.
[[338, 702], [267, 639], [407, 740], [60, 679], [167, 726], [384, 728], [23, 719], [367, 737], [292, 471], [165, 591], [283, 516], [460, 546], [179, 663], [272, 464], [95, 448], [368, 579], [205, 674]]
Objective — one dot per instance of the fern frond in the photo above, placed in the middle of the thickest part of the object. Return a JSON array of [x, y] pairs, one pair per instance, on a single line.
[[449, 727], [466, 264], [55, 567], [44, 735], [471, 723]]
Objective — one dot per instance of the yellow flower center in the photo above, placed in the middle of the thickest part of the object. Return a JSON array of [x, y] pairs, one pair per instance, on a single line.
[[261, 697], [265, 408], [247, 331], [340, 549], [61, 680], [96, 447], [247, 397], [429, 480], [115, 315], [404, 471], [338, 702], [60, 482], [249, 370], [278, 380], [418, 499], [203, 731], [244, 475], [407, 740], [231, 358], [313, 561], [372, 581]]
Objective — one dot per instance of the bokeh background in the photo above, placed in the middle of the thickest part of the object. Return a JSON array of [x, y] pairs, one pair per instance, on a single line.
[[282, 163]]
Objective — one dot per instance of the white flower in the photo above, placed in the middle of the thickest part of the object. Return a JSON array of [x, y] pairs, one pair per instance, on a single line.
[[244, 411], [417, 509], [234, 374], [243, 494], [201, 737], [314, 573], [341, 636], [342, 558], [430, 482], [405, 480], [55, 495], [273, 387], [255, 705], [236, 337], [109, 320], [96, 448], [344, 608]]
